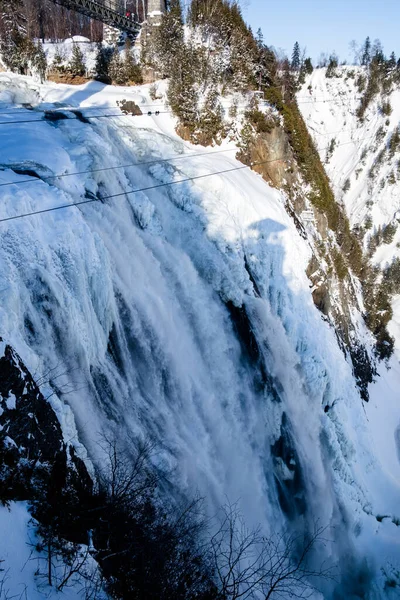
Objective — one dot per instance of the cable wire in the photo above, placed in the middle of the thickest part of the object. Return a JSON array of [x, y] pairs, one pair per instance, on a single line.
[[32, 109], [153, 187], [135, 164], [48, 120], [145, 189]]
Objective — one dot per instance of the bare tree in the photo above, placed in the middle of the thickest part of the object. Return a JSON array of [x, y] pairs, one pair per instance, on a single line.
[[125, 476], [237, 555], [248, 565]]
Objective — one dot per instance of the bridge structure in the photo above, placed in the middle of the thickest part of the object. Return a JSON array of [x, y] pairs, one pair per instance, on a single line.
[[109, 12]]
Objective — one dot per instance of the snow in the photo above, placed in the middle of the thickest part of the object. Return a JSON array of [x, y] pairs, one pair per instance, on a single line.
[[23, 568], [11, 402], [330, 112], [64, 49], [150, 273]]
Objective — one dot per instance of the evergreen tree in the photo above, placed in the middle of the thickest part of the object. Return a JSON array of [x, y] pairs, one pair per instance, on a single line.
[[170, 38], [295, 64], [103, 58], [366, 53], [260, 38], [133, 71], [211, 122], [76, 65], [12, 16], [392, 61], [308, 67], [58, 59], [377, 55], [242, 63], [332, 65], [117, 70], [182, 90], [39, 62]]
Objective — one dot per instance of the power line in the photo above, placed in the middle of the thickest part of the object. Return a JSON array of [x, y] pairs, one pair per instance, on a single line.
[[153, 187], [328, 100], [85, 116], [136, 164], [48, 120], [145, 189], [32, 109]]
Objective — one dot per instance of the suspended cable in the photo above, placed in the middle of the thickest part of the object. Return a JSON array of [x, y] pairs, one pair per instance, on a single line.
[[135, 164], [61, 109], [144, 189], [64, 118]]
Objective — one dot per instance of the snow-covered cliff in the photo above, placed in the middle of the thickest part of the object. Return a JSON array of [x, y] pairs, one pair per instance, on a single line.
[[183, 314], [361, 157]]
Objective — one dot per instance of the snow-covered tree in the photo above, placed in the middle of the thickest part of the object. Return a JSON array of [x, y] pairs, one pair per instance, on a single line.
[[39, 62], [117, 70], [211, 121], [132, 69], [169, 39], [183, 91], [76, 65]]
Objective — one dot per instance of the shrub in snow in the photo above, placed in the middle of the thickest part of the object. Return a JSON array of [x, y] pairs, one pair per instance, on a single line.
[[386, 108], [346, 185], [332, 66], [153, 92]]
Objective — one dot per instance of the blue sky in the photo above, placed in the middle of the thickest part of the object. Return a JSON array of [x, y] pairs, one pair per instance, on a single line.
[[325, 25]]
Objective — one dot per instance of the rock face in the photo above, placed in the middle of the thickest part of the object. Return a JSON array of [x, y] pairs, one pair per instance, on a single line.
[[27, 419], [30, 433]]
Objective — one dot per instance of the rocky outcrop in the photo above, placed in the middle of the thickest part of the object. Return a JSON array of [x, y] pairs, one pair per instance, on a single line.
[[31, 437]]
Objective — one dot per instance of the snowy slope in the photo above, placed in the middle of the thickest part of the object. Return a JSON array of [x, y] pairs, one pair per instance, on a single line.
[[132, 298], [24, 568], [329, 110], [328, 106]]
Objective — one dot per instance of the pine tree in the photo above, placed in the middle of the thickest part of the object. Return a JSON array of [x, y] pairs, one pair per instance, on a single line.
[[211, 122], [12, 16], [332, 65], [14, 42], [377, 55], [391, 63], [308, 67], [58, 60], [295, 64], [117, 70], [77, 63], [170, 38], [133, 71], [182, 92], [103, 58], [39, 62], [260, 38], [366, 53]]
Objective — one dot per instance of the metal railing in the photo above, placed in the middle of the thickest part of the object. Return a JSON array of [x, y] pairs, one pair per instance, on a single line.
[[110, 12]]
